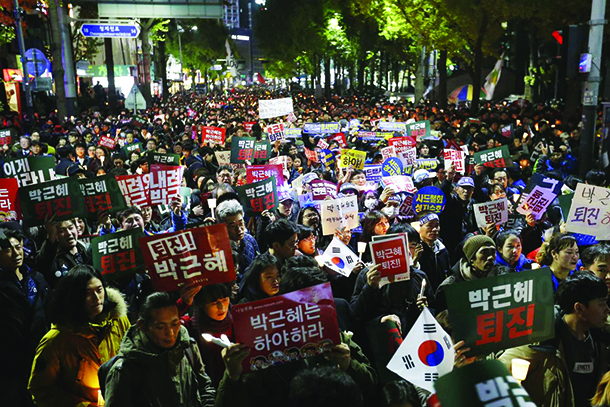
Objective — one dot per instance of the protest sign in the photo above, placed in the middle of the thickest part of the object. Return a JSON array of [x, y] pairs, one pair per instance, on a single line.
[[484, 383], [10, 207], [391, 167], [354, 124], [262, 151], [418, 130], [288, 327], [130, 148], [388, 152], [135, 189], [409, 156], [321, 128], [405, 148], [248, 126], [223, 157], [508, 131], [392, 126], [339, 258], [536, 201], [491, 213], [291, 118], [328, 158], [118, 255], [373, 172], [275, 132], [259, 196], [6, 137], [322, 144], [214, 135], [374, 135], [590, 211], [425, 354], [429, 199], [198, 256], [293, 132], [321, 189], [341, 213], [138, 122], [162, 159], [268, 109], [60, 198], [352, 158], [456, 158], [185, 193], [242, 149], [29, 170], [565, 203], [495, 313], [425, 164], [494, 157], [406, 208], [311, 155], [391, 254], [400, 183], [107, 141], [544, 182], [164, 183], [101, 194], [339, 138], [255, 173]]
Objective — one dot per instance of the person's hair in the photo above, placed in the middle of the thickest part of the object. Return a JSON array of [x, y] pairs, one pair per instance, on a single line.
[[596, 177], [556, 244], [325, 386], [224, 188], [63, 152], [127, 212], [225, 167], [227, 209], [302, 213], [400, 392], [592, 253], [304, 232], [582, 287], [503, 236], [301, 272], [279, 232], [67, 305], [412, 234], [213, 292], [493, 189], [602, 394], [254, 270], [152, 302], [368, 225], [12, 233]]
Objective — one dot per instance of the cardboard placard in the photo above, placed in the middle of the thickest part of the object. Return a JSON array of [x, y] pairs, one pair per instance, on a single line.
[[134, 189], [590, 211], [259, 196], [214, 135], [339, 213], [391, 254], [352, 158], [60, 198], [10, 206], [101, 194], [242, 149], [29, 170], [418, 130], [108, 142], [494, 157], [268, 109], [491, 213], [164, 183], [118, 255]]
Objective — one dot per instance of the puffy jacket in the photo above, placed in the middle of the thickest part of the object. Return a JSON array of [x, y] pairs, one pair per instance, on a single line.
[[145, 375], [64, 372], [54, 262]]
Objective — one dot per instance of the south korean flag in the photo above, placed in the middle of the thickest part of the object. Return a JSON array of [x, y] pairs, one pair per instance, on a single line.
[[339, 258], [426, 353]]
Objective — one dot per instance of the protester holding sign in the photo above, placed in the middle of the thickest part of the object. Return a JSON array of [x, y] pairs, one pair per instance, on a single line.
[[509, 252]]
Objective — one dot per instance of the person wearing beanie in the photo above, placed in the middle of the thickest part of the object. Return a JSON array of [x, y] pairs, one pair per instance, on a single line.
[[478, 260]]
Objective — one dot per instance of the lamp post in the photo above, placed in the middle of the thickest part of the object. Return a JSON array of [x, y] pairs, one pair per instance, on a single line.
[[25, 80]]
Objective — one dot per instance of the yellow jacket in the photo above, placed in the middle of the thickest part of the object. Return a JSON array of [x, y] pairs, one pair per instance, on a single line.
[[64, 372]]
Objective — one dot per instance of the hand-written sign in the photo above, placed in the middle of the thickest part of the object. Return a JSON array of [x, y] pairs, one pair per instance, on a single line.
[[198, 256], [259, 197], [339, 213], [352, 158], [61, 198], [268, 109], [496, 313], [491, 213], [590, 211], [288, 327], [29, 170], [118, 255]]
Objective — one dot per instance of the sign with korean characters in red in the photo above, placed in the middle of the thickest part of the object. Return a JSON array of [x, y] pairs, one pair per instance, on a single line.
[[248, 126], [214, 135], [275, 132], [494, 158], [135, 189], [164, 183], [455, 157], [61, 198], [117, 255], [255, 173], [101, 194], [495, 313], [198, 256], [10, 208], [402, 144], [108, 142], [391, 254], [287, 328], [259, 197]]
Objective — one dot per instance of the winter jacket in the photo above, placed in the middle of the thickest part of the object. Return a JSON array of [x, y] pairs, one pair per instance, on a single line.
[[54, 262], [148, 376], [456, 220], [436, 263], [270, 387], [523, 263], [64, 373]]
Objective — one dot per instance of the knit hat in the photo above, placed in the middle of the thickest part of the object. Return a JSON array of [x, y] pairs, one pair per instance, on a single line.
[[473, 244]]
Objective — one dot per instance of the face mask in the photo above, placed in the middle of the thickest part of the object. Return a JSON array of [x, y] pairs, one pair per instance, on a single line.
[[390, 211], [369, 203]]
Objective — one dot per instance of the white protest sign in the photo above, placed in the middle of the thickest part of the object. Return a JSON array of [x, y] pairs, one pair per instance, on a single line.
[[491, 213], [457, 158], [274, 107], [339, 213], [536, 202], [590, 211]]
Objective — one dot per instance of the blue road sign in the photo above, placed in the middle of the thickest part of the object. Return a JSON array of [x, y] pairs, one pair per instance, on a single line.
[[110, 30]]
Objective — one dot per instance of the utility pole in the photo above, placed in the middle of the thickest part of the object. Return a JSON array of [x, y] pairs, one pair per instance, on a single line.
[[25, 80], [590, 94]]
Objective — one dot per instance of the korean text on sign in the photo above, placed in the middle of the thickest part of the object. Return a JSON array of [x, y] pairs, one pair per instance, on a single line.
[[502, 312], [214, 135], [495, 157], [259, 196], [135, 189], [275, 132], [29, 170], [61, 198], [118, 253], [392, 255], [287, 328], [590, 211], [429, 198], [164, 184], [352, 158], [9, 208], [196, 256], [491, 213]]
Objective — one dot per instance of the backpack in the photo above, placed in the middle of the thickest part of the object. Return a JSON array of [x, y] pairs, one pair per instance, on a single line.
[[102, 372]]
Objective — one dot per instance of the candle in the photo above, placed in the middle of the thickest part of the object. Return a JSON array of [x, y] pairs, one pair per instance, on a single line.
[[519, 368], [100, 399], [216, 341], [361, 249], [212, 205]]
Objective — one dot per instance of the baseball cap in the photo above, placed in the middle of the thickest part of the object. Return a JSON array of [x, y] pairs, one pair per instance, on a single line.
[[465, 182], [421, 175]]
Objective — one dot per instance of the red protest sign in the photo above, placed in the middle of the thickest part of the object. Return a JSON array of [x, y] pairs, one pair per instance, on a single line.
[[339, 138], [248, 126], [255, 173], [214, 135], [135, 189], [402, 144], [108, 142], [321, 189], [311, 155], [10, 208], [198, 256], [6, 137], [288, 327], [391, 254], [164, 185]]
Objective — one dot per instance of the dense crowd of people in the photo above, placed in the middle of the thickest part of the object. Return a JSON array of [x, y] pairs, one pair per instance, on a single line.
[[63, 319]]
